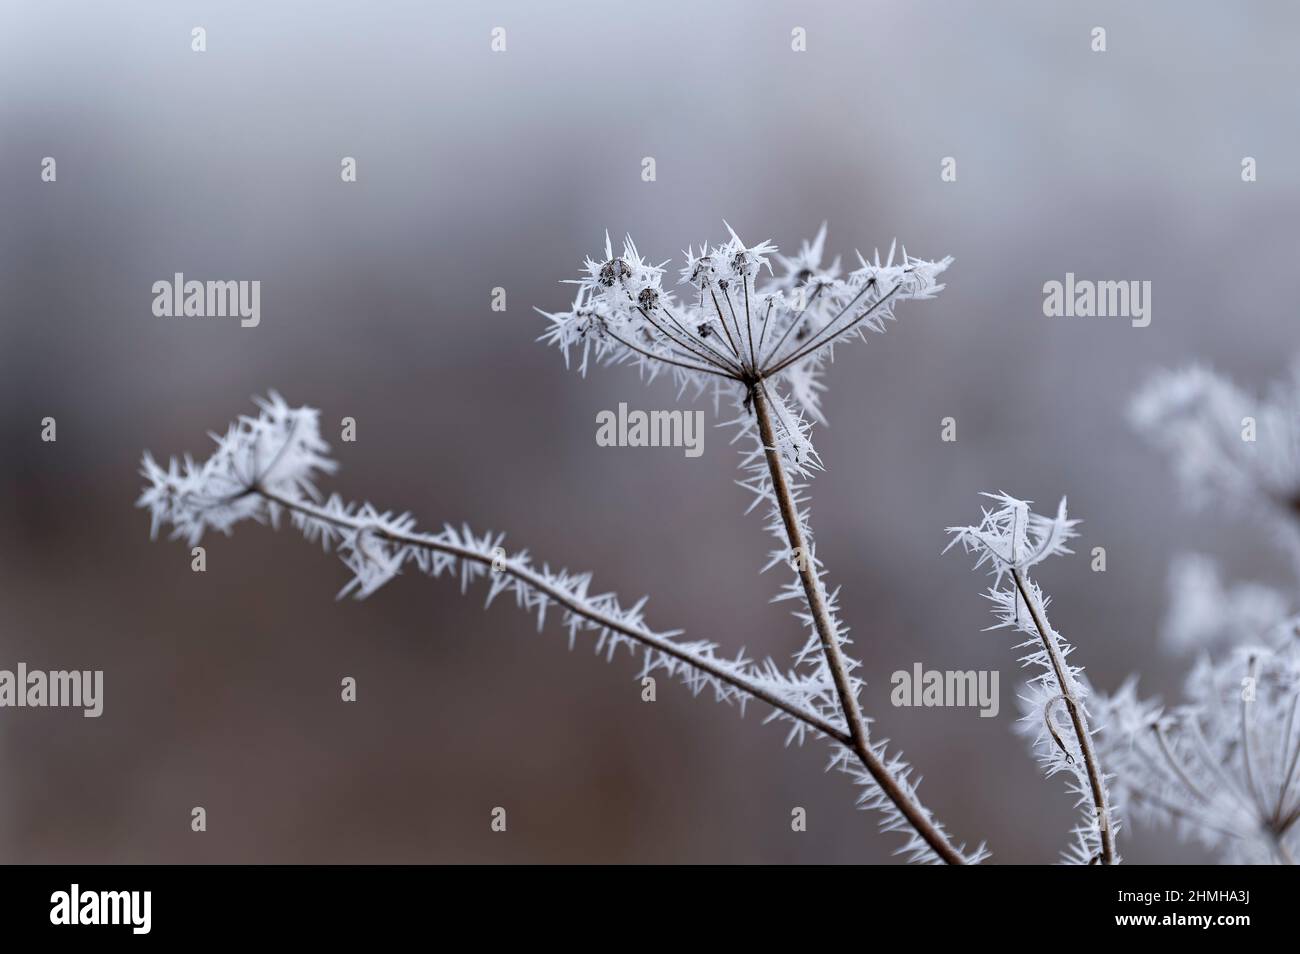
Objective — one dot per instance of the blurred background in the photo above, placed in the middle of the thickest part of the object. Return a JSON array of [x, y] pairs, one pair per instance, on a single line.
[[479, 169]]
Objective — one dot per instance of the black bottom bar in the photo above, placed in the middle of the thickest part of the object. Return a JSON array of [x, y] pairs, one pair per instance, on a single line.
[[373, 903]]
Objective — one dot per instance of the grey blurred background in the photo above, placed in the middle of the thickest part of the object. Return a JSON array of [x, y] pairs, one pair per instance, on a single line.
[[479, 170]]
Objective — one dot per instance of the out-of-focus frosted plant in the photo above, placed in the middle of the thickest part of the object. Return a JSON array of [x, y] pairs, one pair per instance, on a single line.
[[761, 342], [1205, 613], [1221, 768], [1009, 540], [1229, 449]]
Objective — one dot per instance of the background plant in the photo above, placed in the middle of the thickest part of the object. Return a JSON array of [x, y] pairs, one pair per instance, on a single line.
[[1223, 767]]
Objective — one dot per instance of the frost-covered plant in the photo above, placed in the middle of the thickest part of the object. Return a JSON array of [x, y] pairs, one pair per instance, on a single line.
[[1221, 768], [1009, 540], [1229, 448], [266, 467], [763, 344], [1205, 613]]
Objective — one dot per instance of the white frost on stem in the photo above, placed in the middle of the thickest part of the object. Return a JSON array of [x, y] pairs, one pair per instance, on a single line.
[[1223, 768], [267, 466], [764, 344], [1010, 539], [1230, 450]]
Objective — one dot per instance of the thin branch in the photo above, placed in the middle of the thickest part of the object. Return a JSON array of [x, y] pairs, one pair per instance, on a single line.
[[1245, 747], [685, 346], [794, 322], [1285, 785], [536, 581], [1173, 764], [915, 814], [726, 293], [699, 341], [723, 321], [1141, 795], [814, 344], [749, 324], [659, 357], [1077, 718], [762, 337], [1202, 749]]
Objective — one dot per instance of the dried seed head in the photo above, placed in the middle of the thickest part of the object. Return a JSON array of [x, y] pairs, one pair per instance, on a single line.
[[648, 299], [703, 270], [616, 269]]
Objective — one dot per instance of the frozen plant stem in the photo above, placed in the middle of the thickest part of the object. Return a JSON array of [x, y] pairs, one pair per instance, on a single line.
[[1077, 719], [719, 334], [1009, 540], [830, 644], [535, 581]]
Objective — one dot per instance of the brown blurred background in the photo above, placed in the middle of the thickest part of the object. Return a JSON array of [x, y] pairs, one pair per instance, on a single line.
[[479, 170]]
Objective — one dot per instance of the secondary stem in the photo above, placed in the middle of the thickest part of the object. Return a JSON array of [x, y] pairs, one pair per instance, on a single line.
[[915, 814], [1077, 718]]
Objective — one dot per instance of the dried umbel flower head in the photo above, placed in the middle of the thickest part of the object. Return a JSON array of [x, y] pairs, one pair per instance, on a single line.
[[1221, 769], [762, 341], [738, 327]]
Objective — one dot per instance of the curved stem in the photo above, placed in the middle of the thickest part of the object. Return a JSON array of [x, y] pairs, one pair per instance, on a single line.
[[916, 815]]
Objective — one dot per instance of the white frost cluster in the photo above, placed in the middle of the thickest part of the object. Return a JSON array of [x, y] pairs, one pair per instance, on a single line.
[[280, 451], [1009, 540], [1206, 613], [1220, 769], [737, 325], [1229, 449]]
